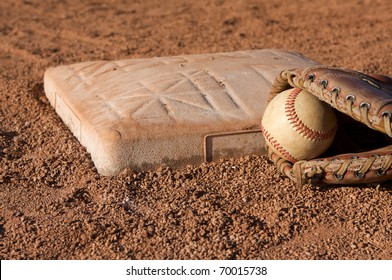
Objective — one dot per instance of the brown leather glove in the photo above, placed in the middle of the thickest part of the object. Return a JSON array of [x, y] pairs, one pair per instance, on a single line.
[[362, 150]]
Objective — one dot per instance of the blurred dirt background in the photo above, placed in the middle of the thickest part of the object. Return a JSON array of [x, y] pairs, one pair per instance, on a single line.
[[54, 205]]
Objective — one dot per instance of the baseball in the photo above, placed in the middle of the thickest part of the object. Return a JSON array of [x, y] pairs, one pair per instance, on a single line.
[[298, 126]]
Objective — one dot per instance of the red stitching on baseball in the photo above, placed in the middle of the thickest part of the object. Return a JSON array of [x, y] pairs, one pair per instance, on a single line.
[[299, 126], [276, 145]]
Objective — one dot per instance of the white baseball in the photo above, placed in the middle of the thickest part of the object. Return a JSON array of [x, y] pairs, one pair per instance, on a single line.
[[298, 126]]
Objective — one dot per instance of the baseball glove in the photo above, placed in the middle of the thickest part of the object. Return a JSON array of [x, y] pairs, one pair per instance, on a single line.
[[361, 151]]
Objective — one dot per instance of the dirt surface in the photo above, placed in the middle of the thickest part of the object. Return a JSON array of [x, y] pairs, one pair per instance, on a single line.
[[54, 205]]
